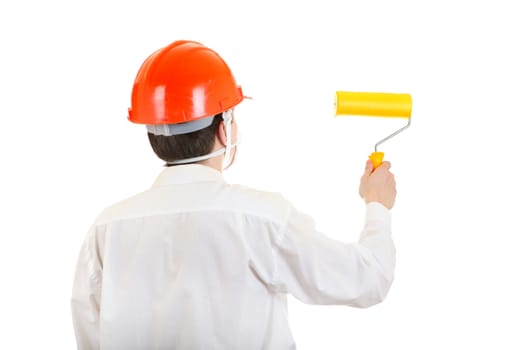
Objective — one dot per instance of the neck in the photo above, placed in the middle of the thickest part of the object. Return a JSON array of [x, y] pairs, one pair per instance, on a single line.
[[215, 162]]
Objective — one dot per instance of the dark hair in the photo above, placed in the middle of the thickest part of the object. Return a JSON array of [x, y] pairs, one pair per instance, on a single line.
[[194, 144]]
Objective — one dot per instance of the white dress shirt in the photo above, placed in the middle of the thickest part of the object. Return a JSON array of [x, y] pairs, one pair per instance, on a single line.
[[196, 263]]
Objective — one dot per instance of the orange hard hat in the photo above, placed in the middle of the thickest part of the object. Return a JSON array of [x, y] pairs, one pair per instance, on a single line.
[[182, 82]]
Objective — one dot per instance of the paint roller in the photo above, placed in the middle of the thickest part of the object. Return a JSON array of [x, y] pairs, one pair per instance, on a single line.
[[373, 104]]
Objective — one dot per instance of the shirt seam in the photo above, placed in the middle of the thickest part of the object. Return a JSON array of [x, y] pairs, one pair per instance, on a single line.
[[280, 236], [185, 211]]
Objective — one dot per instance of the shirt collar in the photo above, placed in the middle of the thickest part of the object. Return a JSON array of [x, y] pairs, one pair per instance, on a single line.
[[185, 174]]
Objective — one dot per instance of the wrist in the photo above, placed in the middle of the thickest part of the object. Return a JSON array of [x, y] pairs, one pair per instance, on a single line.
[[373, 197]]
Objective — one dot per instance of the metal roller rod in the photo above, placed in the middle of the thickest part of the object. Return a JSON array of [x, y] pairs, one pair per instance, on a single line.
[[392, 135]]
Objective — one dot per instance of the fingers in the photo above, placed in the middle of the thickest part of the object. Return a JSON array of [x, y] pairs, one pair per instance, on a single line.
[[389, 175], [369, 167], [386, 165], [383, 168]]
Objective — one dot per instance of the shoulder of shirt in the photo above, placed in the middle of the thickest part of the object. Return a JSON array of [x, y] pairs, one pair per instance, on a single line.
[[271, 205], [241, 199], [115, 211]]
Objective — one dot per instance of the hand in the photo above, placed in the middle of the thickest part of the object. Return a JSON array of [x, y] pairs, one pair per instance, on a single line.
[[378, 185]]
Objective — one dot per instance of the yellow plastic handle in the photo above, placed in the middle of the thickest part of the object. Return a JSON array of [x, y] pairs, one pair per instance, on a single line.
[[377, 158]]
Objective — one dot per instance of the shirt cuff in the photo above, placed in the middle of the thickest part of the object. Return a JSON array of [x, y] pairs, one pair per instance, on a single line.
[[377, 212]]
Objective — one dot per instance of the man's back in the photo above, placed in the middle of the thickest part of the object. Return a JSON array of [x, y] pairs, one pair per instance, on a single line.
[[180, 266]]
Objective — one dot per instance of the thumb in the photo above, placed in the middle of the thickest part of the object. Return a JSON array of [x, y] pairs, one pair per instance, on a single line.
[[369, 167]]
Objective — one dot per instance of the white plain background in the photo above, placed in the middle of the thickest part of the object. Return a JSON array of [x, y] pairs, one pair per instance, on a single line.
[[67, 150]]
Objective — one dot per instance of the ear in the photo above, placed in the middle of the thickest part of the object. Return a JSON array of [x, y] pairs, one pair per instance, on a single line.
[[221, 134]]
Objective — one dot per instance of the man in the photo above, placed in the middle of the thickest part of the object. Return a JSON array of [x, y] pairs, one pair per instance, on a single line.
[[196, 263]]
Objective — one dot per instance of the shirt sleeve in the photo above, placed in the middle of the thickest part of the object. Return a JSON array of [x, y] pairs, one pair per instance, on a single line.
[[85, 301], [319, 270]]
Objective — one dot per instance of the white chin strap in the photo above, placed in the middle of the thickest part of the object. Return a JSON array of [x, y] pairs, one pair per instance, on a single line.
[[227, 116]]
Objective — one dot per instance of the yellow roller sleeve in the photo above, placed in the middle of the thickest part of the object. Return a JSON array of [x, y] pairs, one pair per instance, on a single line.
[[373, 104]]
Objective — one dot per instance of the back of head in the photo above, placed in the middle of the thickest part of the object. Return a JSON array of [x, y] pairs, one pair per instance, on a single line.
[[179, 147]]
